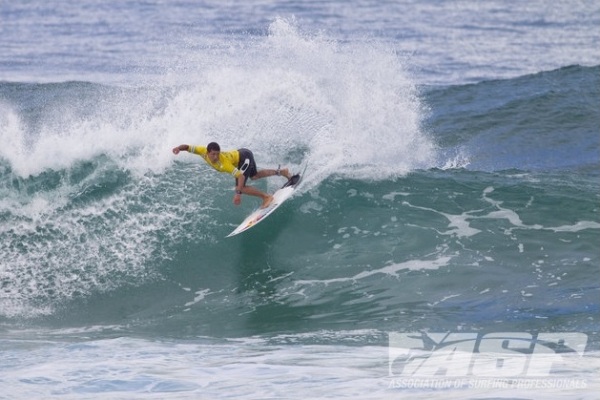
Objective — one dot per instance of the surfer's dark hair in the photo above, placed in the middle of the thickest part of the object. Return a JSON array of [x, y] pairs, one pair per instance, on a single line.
[[213, 146]]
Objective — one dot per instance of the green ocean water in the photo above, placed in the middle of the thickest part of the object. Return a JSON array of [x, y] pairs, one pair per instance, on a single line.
[[364, 244]]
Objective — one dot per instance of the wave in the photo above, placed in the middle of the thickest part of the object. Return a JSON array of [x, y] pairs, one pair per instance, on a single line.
[[80, 161], [99, 220], [152, 253], [544, 121]]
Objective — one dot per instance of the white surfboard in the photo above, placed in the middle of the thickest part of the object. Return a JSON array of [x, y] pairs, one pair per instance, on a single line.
[[279, 197]]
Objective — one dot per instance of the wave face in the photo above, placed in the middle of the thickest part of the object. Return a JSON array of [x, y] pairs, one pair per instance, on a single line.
[[93, 200], [409, 193]]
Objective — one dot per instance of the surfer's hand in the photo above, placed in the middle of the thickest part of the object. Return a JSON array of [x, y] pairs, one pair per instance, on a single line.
[[237, 199], [181, 147]]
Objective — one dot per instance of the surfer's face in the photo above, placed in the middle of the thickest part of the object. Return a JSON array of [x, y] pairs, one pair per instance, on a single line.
[[213, 156]]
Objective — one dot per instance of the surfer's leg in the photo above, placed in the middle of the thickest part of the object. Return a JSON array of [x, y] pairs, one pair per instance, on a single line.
[[263, 173], [267, 201], [252, 191]]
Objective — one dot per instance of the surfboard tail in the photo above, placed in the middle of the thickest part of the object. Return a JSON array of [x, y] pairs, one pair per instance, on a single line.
[[293, 181]]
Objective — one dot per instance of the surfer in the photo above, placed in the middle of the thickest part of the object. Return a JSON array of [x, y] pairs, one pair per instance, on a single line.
[[239, 163]]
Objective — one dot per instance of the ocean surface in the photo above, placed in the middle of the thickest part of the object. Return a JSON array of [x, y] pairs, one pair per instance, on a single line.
[[451, 196]]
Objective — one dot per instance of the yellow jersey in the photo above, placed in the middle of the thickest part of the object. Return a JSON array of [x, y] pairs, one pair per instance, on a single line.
[[228, 160]]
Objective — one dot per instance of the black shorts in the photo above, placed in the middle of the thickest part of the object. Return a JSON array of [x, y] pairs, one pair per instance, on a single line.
[[249, 170]]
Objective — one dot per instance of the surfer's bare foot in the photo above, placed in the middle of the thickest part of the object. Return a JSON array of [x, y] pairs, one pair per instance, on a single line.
[[285, 172], [266, 201]]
